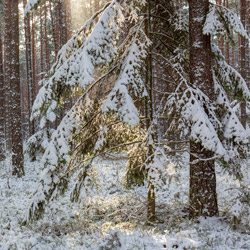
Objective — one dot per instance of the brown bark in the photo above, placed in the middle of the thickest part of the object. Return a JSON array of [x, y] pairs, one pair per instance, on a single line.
[[203, 197], [227, 44], [2, 103], [7, 70], [33, 56], [62, 23], [243, 45], [68, 17], [14, 77], [47, 59], [58, 24], [149, 116], [41, 43], [54, 29], [248, 49], [29, 69]]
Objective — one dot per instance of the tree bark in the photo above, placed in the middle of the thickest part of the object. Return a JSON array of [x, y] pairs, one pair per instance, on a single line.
[[47, 57], [2, 103], [243, 45], [29, 69], [203, 197], [34, 71], [149, 116], [53, 24], [227, 45], [7, 71], [41, 44], [14, 78]]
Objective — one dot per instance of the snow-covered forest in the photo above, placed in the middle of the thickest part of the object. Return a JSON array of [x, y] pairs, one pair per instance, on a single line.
[[124, 124]]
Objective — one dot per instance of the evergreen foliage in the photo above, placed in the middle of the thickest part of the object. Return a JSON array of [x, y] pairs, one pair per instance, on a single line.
[[110, 121]]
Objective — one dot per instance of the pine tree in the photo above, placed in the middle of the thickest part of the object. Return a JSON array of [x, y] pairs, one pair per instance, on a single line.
[[203, 196], [97, 122], [13, 80]]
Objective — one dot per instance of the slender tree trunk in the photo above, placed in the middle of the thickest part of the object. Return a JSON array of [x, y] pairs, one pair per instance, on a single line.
[[53, 24], [57, 24], [41, 43], [149, 116], [29, 69], [203, 197], [68, 17], [243, 45], [2, 103], [227, 44], [47, 59], [62, 23], [33, 57], [248, 49], [16, 122], [7, 67]]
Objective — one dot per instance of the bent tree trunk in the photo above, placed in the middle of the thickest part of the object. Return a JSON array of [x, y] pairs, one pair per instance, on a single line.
[[203, 197]]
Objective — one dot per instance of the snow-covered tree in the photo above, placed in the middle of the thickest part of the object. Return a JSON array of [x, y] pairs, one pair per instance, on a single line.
[[203, 105], [105, 118]]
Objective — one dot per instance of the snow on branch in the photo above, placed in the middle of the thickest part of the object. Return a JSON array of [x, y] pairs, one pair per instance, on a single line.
[[56, 159], [31, 4], [119, 99], [220, 20], [213, 123], [229, 77], [77, 59]]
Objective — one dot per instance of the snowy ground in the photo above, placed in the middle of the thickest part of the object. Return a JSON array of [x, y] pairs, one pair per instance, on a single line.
[[112, 217]]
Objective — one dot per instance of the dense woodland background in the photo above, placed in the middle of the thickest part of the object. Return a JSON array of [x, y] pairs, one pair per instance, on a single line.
[[137, 111]]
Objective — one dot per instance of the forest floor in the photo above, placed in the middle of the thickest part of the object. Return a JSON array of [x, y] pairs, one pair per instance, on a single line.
[[113, 217]]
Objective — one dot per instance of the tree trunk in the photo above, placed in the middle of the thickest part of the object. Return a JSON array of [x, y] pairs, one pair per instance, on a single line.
[[2, 103], [149, 116], [7, 72], [29, 69], [47, 57], [41, 44], [203, 197], [227, 45], [33, 58], [13, 65], [68, 18], [243, 45]]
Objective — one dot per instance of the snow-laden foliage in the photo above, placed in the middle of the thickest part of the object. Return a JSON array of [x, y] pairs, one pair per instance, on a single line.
[[38, 142], [230, 78], [108, 70], [213, 123], [93, 45], [31, 4], [220, 20], [56, 158], [119, 98]]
